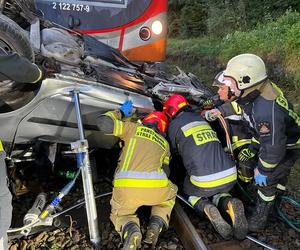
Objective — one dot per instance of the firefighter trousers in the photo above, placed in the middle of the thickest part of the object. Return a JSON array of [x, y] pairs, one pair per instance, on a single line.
[[126, 200], [278, 179]]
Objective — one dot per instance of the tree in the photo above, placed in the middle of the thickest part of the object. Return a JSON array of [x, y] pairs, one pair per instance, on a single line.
[[190, 18], [193, 19]]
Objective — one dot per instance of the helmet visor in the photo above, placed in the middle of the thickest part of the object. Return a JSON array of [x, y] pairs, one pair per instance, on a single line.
[[229, 82], [217, 82]]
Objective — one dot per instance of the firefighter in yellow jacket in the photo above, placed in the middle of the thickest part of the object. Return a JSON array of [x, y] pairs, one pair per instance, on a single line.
[[139, 179]]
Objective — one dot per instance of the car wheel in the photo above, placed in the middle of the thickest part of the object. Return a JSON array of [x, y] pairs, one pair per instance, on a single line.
[[14, 38]]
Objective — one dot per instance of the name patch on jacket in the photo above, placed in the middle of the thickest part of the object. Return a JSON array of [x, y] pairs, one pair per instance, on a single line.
[[264, 128], [149, 134], [201, 132], [205, 136]]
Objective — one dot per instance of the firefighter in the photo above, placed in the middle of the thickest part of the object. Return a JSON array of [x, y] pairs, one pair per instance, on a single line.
[[17, 68], [210, 172], [276, 126], [12, 68], [139, 179], [245, 147]]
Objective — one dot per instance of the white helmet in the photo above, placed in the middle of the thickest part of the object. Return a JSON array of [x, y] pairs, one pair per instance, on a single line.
[[220, 80], [247, 70]]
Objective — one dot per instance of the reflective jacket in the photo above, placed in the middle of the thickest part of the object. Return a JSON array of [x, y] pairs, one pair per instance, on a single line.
[[207, 165], [2, 154], [143, 155], [239, 130], [276, 125]]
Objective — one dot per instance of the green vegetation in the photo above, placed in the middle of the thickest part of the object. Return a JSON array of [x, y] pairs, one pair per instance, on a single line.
[[194, 18], [205, 34], [276, 41]]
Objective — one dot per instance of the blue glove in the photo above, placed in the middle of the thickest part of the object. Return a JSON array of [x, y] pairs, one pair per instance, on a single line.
[[260, 179], [127, 108]]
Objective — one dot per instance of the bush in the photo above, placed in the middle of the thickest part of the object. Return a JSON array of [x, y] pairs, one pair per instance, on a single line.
[[187, 18], [292, 42], [225, 17], [277, 42], [192, 19]]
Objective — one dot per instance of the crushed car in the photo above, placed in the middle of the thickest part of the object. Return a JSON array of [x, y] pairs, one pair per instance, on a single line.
[[74, 62], [78, 70]]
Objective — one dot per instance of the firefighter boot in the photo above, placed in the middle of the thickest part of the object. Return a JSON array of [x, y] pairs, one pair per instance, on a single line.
[[131, 236], [154, 228], [213, 214], [235, 209], [258, 220]]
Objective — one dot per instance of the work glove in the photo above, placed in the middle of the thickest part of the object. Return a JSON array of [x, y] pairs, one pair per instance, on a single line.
[[212, 115], [127, 108], [208, 104], [259, 178], [245, 155]]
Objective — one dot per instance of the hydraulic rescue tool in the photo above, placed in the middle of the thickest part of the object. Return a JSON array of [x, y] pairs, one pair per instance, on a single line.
[[38, 216]]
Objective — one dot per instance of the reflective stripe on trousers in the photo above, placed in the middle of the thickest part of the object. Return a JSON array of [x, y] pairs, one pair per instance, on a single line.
[[266, 198]]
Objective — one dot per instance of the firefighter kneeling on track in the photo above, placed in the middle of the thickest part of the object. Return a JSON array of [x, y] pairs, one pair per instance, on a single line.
[[211, 174], [140, 179]]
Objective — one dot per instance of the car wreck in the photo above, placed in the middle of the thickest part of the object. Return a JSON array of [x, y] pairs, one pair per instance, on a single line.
[[83, 79], [102, 75]]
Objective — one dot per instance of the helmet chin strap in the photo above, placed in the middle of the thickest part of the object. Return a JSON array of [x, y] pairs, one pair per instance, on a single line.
[[230, 94], [249, 97]]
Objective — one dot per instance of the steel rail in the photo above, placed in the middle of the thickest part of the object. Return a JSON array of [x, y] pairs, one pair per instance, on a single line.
[[187, 233], [233, 243]]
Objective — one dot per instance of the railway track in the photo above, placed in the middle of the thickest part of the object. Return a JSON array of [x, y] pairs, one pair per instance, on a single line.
[[184, 228], [190, 231], [191, 239]]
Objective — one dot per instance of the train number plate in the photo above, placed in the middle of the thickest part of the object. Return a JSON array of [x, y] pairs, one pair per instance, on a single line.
[[70, 6]]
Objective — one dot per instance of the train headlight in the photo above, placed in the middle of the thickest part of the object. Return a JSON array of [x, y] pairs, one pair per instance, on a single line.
[[145, 33], [157, 27]]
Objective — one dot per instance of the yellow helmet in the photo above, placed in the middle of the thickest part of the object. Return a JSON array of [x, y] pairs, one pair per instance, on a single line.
[[247, 70]]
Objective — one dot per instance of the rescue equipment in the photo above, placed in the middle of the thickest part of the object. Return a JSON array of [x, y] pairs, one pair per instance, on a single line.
[[80, 147]]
